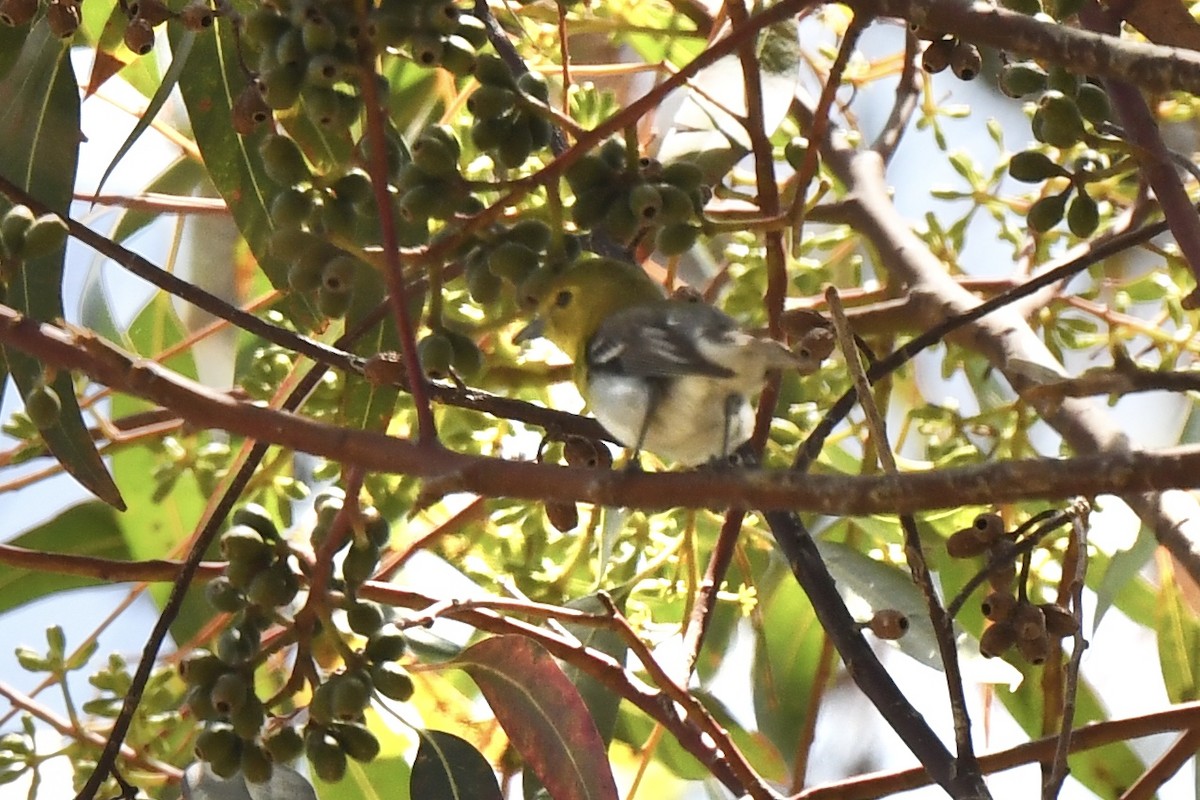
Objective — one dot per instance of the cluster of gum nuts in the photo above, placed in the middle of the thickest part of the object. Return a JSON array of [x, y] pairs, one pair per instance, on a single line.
[[1014, 620]]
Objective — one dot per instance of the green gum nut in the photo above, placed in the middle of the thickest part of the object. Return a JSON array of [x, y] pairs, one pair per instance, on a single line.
[[621, 222], [45, 236], [324, 70], [472, 29], [255, 516], [531, 232], [256, 763], [512, 261], [487, 134], [458, 55], [13, 226], [515, 150], [338, 273], [264, 26], [387, 28], [1083, 215], [436, 354], [284, 745], [291, 208], [325, 755], [490, 102], [490, 70], [392, 681], [676, 204], [283, 161], [441, 16], [350, 696], [645, 202], [683, 174], [483, 286], [1023, 78], [304, 275], [427, 49], [467, 358], [1033, 167], [281, 85], [354, 186], [357, 741], [534, 84], [613, 153], [1047, 212], [434, 157], [1093, 103], [1061, 123], [386, 644], [589, 172], [673, 240], [220, 747]]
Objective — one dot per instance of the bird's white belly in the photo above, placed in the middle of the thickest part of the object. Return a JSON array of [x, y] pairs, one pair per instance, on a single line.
[[697, 430]]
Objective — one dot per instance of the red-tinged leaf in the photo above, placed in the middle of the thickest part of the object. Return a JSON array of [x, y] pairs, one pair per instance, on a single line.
[[104, 67], [543, 715], [450, 768], [39, 126], [103, 28]]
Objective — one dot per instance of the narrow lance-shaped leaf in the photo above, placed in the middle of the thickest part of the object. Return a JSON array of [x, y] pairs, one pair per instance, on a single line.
[[39, 126]]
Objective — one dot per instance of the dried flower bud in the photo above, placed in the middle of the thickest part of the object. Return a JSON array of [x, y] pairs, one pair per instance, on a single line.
[[1059, 621], [996, 639], [63, 19], [153, 12], [1002, 576], [937, 55], [15, 13], [139, 36], [197, 16], [563, 516], [1034, 650], [1029, 620], [888, 623], [579, 451], [249, 110], [967, 543], [999, 606]]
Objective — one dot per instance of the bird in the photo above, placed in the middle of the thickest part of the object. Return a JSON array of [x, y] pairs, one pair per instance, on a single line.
[[665, 375]]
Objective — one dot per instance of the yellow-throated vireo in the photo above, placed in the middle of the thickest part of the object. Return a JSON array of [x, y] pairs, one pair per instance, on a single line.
[[666, 375]]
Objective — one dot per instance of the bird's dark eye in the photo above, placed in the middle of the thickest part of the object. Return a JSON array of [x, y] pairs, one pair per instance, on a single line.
[[562, 299]]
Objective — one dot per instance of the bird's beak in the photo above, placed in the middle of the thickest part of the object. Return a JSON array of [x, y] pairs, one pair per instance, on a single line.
[[534, 330]]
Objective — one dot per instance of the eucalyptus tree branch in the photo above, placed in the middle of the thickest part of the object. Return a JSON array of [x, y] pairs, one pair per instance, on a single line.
[[1000, 335], [914, 553], [1115, 471], [908, 89], [1151, 67], [1070, 591], [1184, 717]]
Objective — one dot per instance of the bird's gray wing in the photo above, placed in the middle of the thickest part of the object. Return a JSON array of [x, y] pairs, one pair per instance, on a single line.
[[660, 340]]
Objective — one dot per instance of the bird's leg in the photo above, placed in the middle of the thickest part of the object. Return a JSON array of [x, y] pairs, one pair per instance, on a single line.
[[653, 399], [727, 459], [733, 404]]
